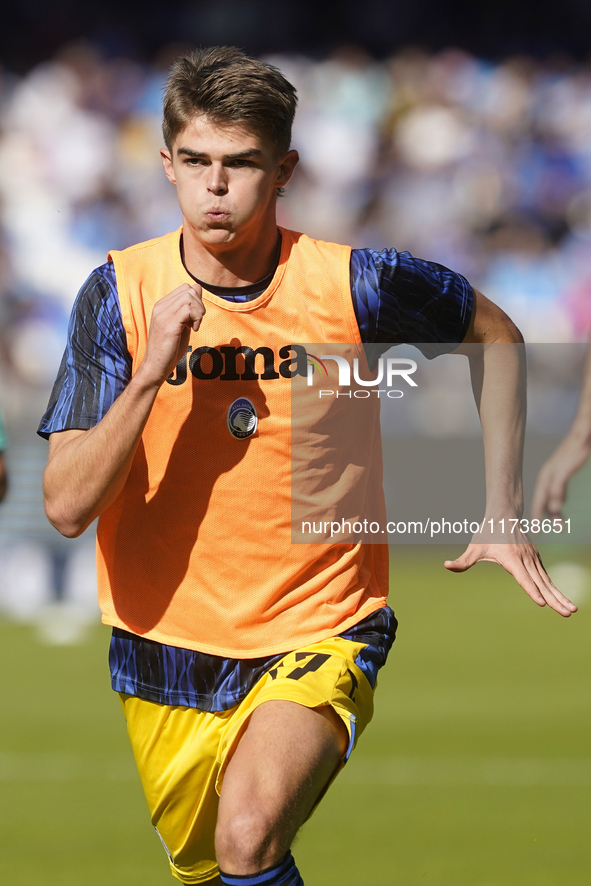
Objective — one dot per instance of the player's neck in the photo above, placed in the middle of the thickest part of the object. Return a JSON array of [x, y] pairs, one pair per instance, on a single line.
[[232, 264]]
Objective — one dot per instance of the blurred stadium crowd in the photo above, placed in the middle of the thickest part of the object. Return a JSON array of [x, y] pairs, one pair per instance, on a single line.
[[484, 167]]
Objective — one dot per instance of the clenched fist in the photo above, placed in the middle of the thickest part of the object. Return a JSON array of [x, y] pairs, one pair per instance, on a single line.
[[173, 318]]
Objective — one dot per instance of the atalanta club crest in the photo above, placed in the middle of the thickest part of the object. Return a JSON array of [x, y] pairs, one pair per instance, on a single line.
[[242, 418]]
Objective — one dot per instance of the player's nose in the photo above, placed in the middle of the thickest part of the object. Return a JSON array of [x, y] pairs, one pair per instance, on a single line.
[[218, 182]]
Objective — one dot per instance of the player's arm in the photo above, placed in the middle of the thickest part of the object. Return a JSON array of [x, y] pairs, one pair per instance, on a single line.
[[498, 380], [87, 469], [571, 454]]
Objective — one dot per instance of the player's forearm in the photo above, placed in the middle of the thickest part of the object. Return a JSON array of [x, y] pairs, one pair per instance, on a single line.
[[498, 377], [497, 363], [86, 471]]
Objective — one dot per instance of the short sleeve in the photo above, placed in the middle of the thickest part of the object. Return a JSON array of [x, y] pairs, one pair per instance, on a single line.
[[402, 299], [96, 366]]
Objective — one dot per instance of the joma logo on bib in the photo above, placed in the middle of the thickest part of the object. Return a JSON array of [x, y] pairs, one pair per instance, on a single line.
[[207, 363]]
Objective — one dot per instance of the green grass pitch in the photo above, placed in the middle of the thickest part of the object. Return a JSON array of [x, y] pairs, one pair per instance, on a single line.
[[476, 770]]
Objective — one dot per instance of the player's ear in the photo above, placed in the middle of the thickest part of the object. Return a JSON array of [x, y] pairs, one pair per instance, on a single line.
[[168, 168], [286, 168]]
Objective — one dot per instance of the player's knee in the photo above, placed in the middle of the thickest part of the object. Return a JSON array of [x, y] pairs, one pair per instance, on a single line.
[[247, 841]]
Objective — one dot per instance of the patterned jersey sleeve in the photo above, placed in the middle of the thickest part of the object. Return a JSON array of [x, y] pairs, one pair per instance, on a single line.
[[401, 299], [96, 366]]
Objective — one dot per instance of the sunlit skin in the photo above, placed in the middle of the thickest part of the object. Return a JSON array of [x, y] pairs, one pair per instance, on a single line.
[[227, 178]]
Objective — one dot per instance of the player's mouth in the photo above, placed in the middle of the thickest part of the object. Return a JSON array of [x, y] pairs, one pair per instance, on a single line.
[[217, 215]]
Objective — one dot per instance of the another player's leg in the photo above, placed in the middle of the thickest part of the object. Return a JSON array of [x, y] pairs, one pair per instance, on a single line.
[[280, 767]]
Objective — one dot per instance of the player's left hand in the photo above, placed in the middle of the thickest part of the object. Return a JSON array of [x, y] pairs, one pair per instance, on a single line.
[[524, 563]]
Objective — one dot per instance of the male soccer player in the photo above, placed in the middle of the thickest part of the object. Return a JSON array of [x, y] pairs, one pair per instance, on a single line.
[[245, 664]]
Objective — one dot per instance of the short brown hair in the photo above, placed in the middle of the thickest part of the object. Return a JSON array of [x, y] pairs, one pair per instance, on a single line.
[[229, 87]]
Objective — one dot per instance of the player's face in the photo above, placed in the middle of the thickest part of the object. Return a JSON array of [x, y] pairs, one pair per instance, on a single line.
[[226, 178]]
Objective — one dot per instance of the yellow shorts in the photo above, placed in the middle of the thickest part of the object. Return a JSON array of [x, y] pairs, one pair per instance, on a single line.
[[181, 753]]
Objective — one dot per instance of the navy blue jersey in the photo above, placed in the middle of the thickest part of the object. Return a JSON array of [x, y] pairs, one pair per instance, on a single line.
[[175, 676], [397, 299]]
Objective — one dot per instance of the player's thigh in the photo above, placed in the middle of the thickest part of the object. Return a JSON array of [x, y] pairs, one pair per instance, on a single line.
[[285, 756], [281, 765], [176, 752]]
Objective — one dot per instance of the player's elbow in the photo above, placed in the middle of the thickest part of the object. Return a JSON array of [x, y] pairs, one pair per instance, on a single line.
[[60, 513], [508, 331], [63, 521], [500, 328], [70, 530], [490, 324]]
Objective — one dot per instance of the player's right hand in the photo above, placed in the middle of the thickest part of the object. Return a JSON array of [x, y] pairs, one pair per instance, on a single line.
[[173, 319]]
